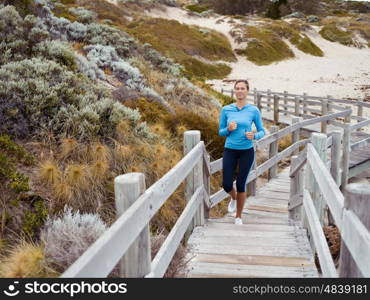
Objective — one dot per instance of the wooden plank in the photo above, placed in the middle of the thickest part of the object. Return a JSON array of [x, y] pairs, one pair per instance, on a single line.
[[254, 220], [251, 227], [266, 208], [166, 252], [285, 251], [254, 260], [325, 258], [229, 270]]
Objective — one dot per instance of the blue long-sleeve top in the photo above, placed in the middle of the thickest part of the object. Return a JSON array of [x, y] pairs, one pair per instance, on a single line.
[[236, 139]]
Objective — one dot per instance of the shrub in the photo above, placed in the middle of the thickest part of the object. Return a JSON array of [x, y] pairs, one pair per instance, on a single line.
[[67, 237], [83, 15], [332, 33]]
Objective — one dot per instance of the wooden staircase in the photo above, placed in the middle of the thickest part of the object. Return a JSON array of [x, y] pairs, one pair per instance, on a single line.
[[268, 244]]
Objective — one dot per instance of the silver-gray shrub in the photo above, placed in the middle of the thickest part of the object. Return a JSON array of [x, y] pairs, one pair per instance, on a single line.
[[57, 51], [89, 68], [83, 15], [68, 236]]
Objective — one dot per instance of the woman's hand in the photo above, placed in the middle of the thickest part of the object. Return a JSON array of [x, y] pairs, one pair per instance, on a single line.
[[249, 135], [232, 126]]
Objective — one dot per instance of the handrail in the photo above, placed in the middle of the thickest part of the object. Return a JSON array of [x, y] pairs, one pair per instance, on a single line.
[[119, 237]]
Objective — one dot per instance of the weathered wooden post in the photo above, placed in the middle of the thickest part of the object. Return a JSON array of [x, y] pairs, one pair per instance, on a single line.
[[335, 170], [276, 109], [207, 186], [319, 141], [285, 102], [335, 155], [297, 106], [136, 262], [273, 150], [232, 93], [295, 133], [359, 110], [194, 179], [357, 200], [324, 111], [346, 149], [296, 191], [330, 107], [304, 103], [259, 101], [269, 100], [222, 91]]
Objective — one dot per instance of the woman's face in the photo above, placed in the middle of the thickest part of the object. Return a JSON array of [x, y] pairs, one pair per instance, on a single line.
[[240, 90]]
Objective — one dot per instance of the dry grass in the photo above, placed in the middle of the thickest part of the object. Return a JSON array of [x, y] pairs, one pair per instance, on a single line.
[[26, 260]]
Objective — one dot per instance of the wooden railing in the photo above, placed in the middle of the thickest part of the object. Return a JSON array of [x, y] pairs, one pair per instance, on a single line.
[[304, 106], [321, 197], [127, 241]]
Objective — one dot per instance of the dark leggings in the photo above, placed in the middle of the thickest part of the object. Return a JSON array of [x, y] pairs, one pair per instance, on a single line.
[[231, 157]]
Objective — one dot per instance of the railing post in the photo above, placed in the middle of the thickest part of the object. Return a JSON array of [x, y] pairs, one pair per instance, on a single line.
[[296, 188], [324, 111], [356, 199], [304, 103], [269, 99], [319, 141], [309, 186], [136, 262], [346, 149], [295, 133], [194, 179], [359, 111], [297, 106], [335, 170], [335, 155], [273, 150], [252, 186], [232, 93], [207, 186], [259, 103], [276, 109], [222, 90], [285, 102]]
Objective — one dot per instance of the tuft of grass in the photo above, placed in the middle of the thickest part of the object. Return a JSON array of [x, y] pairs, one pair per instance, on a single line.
[[184, 43], [76, 175], [26, 260], [332, 33], [49, 172], [197, 8]]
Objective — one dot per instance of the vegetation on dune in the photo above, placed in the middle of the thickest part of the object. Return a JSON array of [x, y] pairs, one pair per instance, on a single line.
[[184, 44], [300, 40], [332, 33], [266, 47]]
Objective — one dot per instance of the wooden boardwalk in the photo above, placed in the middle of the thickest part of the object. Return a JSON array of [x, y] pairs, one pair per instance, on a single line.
[[268, 244]]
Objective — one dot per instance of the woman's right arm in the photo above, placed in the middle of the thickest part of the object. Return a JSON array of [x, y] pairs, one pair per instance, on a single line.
[[222, 129]]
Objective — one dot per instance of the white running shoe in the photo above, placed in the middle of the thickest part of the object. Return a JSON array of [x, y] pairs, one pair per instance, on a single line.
[[232, 206], [238, 221]]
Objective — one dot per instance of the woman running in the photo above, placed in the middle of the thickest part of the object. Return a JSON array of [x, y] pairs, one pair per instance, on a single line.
[[236, 124]]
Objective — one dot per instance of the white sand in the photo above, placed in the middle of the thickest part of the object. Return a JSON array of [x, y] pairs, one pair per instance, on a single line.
[[339, 73]]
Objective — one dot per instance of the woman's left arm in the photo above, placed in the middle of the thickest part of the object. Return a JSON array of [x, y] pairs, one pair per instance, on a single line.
[[257, 119]]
